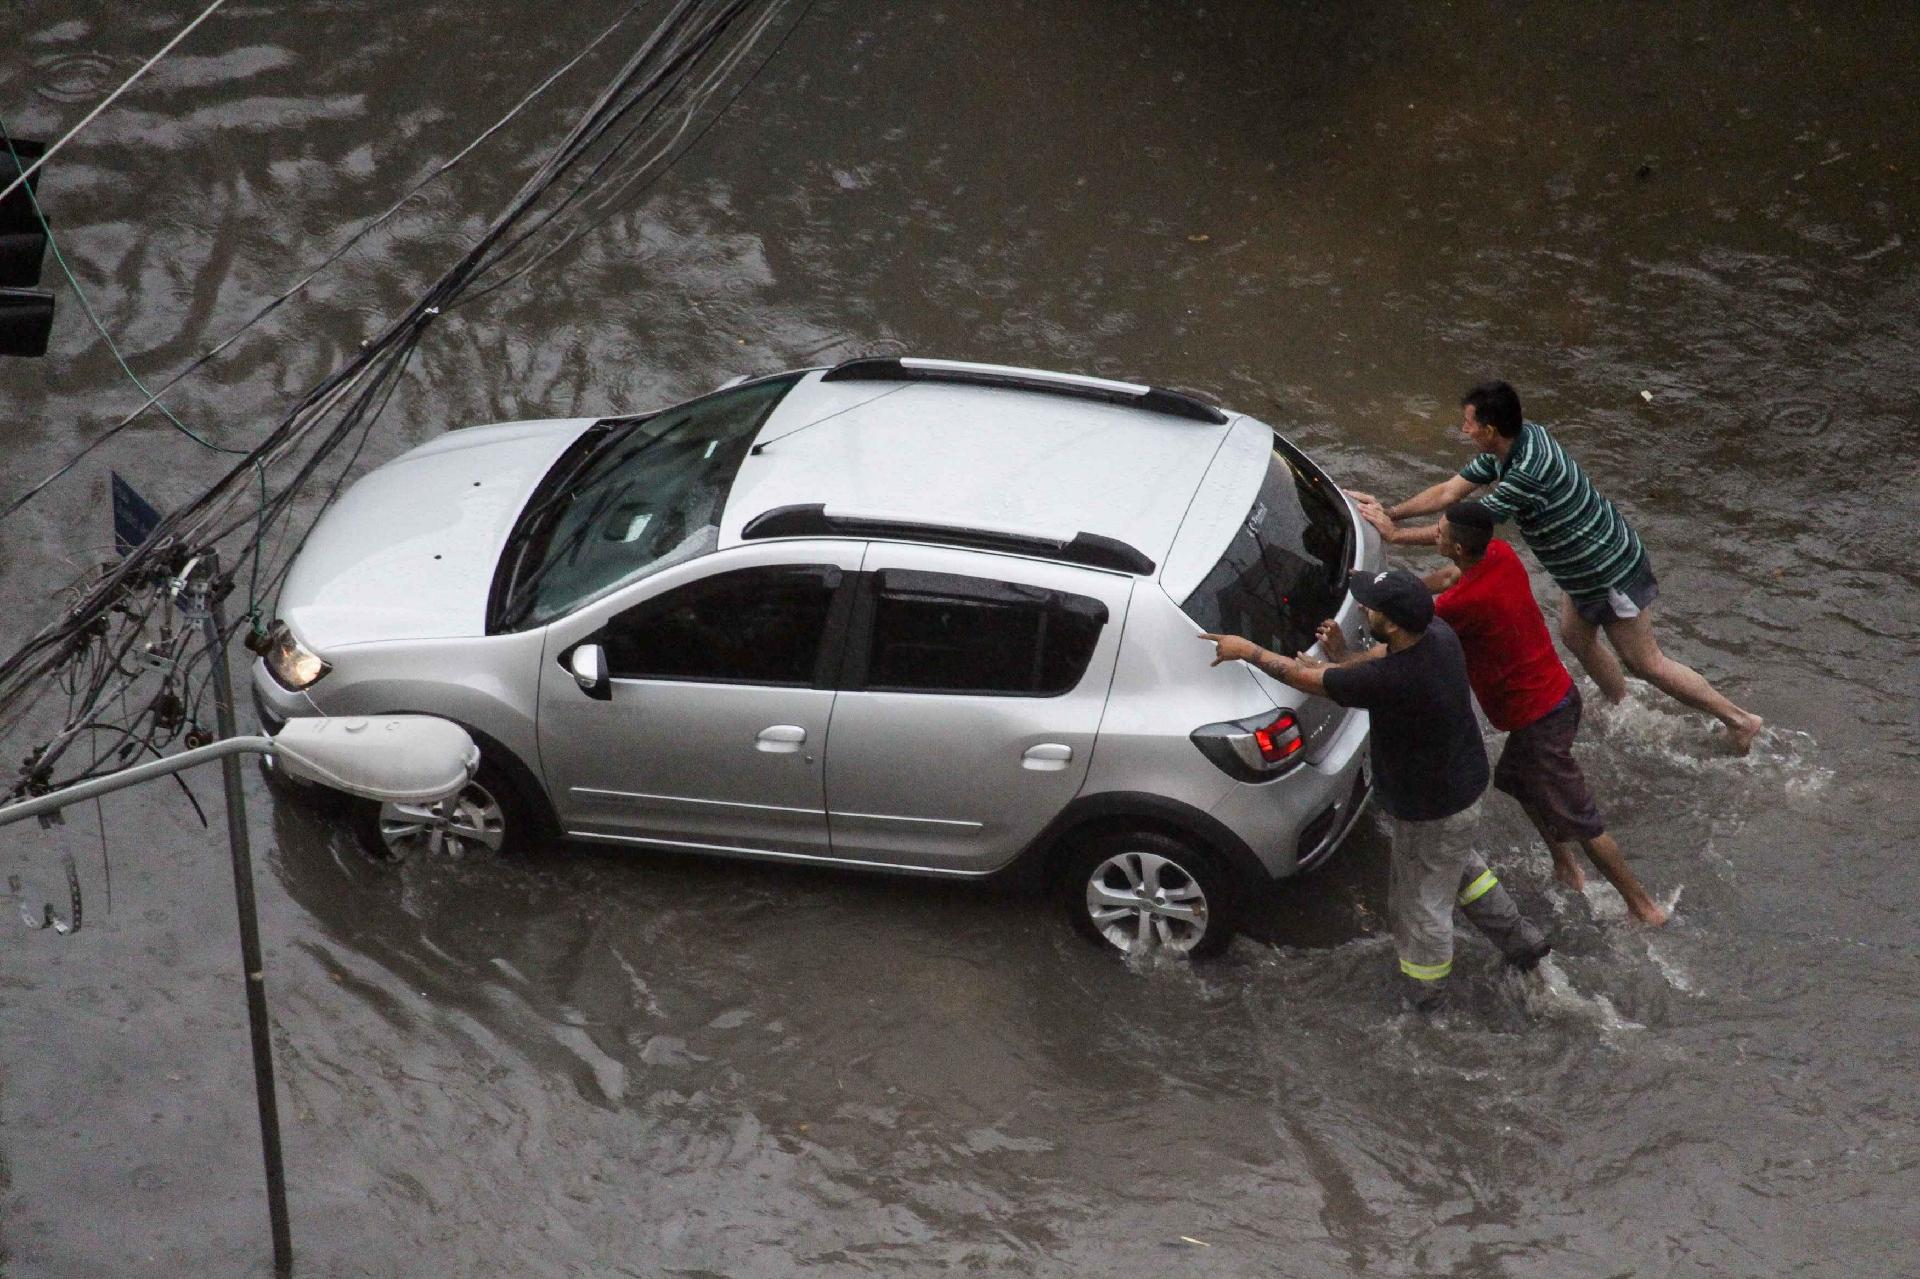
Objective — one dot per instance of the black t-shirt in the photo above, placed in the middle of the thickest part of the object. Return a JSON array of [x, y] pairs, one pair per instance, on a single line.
[[1428, 762]]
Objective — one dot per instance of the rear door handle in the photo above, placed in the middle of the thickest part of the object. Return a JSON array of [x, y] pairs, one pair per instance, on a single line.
[[1047, 757], [781, 739]]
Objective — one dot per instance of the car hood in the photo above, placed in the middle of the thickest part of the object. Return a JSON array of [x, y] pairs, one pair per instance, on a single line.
[[408, 552]]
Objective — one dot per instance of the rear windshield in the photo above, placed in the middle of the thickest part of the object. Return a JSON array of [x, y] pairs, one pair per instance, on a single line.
[[1285, 571]]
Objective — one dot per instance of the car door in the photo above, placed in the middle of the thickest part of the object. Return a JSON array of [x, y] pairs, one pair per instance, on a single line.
[[721, 691], [968, 710]]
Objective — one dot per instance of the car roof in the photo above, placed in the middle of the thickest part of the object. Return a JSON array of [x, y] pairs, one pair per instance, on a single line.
[[1001, 458]]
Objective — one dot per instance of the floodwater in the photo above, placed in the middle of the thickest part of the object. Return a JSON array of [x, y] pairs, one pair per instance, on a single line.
[[1687, 233]]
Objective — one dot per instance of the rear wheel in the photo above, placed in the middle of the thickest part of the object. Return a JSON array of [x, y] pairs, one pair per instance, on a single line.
[[1140, 890], [489, 816]]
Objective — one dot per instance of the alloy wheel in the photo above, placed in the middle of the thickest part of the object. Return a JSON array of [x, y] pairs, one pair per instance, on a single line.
[[1140, 899], [470, 821]]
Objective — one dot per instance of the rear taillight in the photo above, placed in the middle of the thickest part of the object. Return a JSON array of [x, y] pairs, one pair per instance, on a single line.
[[1279, 739], [1256, 749]]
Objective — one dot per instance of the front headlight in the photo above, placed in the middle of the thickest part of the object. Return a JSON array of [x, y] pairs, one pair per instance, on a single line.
[[290, 662]]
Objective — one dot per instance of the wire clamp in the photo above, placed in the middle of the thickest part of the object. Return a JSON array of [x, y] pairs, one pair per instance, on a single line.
[[44, 916]]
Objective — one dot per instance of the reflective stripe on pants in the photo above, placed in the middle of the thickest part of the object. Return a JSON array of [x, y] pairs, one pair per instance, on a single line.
[[1432, 869], [1478, 888]]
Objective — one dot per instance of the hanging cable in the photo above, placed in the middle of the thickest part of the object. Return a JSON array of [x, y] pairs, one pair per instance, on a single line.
[[107, 101], [627, 136], [80, 295], [339, 252]]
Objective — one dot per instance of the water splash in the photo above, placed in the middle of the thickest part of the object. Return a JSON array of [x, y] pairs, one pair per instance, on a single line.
[[1651, 725], [1672, 901], [1548, 993], [1677, 977]]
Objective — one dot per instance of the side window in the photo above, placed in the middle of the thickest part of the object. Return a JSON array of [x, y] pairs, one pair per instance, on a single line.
[[942, 633], [750, 626]]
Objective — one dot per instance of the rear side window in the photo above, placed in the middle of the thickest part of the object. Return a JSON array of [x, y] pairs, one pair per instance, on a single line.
[[1285, 571], [750, 626], [944, 633]]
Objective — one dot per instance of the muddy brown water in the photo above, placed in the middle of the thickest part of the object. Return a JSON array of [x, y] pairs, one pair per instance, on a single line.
[[602, 1063]]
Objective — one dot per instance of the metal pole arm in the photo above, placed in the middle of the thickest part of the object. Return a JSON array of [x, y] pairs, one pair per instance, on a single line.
[[134, 776]]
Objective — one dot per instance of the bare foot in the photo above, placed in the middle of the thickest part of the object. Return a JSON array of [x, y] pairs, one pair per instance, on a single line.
[[1648, 913], [1568, 872], [1741, 738]]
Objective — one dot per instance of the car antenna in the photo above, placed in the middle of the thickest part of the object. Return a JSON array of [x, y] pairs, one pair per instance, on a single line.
[[759, 448]]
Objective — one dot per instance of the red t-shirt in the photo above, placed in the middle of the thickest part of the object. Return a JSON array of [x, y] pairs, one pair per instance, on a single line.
[[1510, 659]]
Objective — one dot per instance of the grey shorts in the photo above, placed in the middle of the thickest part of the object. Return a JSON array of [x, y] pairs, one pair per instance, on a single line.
[[1627, 599]]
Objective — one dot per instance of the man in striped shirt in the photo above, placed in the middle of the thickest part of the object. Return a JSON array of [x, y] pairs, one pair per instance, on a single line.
[[1581, 540]]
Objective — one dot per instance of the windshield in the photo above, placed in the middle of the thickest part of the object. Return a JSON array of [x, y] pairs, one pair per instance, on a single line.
[[646, 495], [1285, 571]]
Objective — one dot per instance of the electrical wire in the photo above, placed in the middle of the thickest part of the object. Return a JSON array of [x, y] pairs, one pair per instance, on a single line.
[[107, 101], [80, 296], [628, 136], [274, 303]]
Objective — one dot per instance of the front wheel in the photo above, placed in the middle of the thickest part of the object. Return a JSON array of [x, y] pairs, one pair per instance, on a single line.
[[488, 816], [1141, 890]]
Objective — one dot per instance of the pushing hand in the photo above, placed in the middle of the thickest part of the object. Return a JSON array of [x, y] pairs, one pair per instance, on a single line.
[[1376, 515]]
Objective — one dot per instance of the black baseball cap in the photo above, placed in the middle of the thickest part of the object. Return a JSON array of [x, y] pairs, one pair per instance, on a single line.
[[1403, 597]]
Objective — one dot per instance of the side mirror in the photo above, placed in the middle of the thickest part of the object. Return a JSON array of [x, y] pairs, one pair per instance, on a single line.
[[588, 663]]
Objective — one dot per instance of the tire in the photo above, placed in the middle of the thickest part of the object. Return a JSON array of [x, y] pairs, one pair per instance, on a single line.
[[1171, 879], [490, 817]]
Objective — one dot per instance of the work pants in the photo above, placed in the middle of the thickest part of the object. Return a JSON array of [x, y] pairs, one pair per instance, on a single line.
[[1433, 868]]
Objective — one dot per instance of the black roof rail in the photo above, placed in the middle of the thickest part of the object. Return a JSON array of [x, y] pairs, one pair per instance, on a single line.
[[1154, 399], [812, 520]]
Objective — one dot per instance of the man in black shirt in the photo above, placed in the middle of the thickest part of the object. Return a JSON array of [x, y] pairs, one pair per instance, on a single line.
[[1428, 768]]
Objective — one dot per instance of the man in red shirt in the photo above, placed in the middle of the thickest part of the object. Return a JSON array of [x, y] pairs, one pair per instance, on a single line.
[[1524, 688]]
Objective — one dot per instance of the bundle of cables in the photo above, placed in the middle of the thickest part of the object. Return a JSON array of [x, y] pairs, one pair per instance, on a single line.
[[118, 633]]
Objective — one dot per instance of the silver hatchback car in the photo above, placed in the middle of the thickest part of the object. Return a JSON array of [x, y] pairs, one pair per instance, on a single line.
[[903, 615]]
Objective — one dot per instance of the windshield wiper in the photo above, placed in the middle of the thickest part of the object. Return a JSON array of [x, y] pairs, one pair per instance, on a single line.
[[554, 492], [515, 591], [563, 491]]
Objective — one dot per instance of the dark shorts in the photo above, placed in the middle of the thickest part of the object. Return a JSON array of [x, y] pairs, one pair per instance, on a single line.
[[1537, 768], [1629, 598]]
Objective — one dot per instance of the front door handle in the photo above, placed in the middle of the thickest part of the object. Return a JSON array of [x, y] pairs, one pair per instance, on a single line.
[[1047, 757], [781, 739]]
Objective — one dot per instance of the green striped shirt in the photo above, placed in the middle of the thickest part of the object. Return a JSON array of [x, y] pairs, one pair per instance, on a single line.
[[1580, 538]]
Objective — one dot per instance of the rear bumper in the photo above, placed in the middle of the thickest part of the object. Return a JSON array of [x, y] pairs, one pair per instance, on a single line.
[[1338, 819], [1298, 821]]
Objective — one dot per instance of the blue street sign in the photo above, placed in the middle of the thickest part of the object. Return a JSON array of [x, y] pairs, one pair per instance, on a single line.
[[134, 518]]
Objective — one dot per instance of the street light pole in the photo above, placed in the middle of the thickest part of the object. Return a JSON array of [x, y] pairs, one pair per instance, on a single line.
[[201, 594], [407, 759]]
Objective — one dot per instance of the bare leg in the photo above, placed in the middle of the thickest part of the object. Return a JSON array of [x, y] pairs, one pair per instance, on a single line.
[[1607, 856], [1565, 868], [1582, 639], [1633, 637]]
